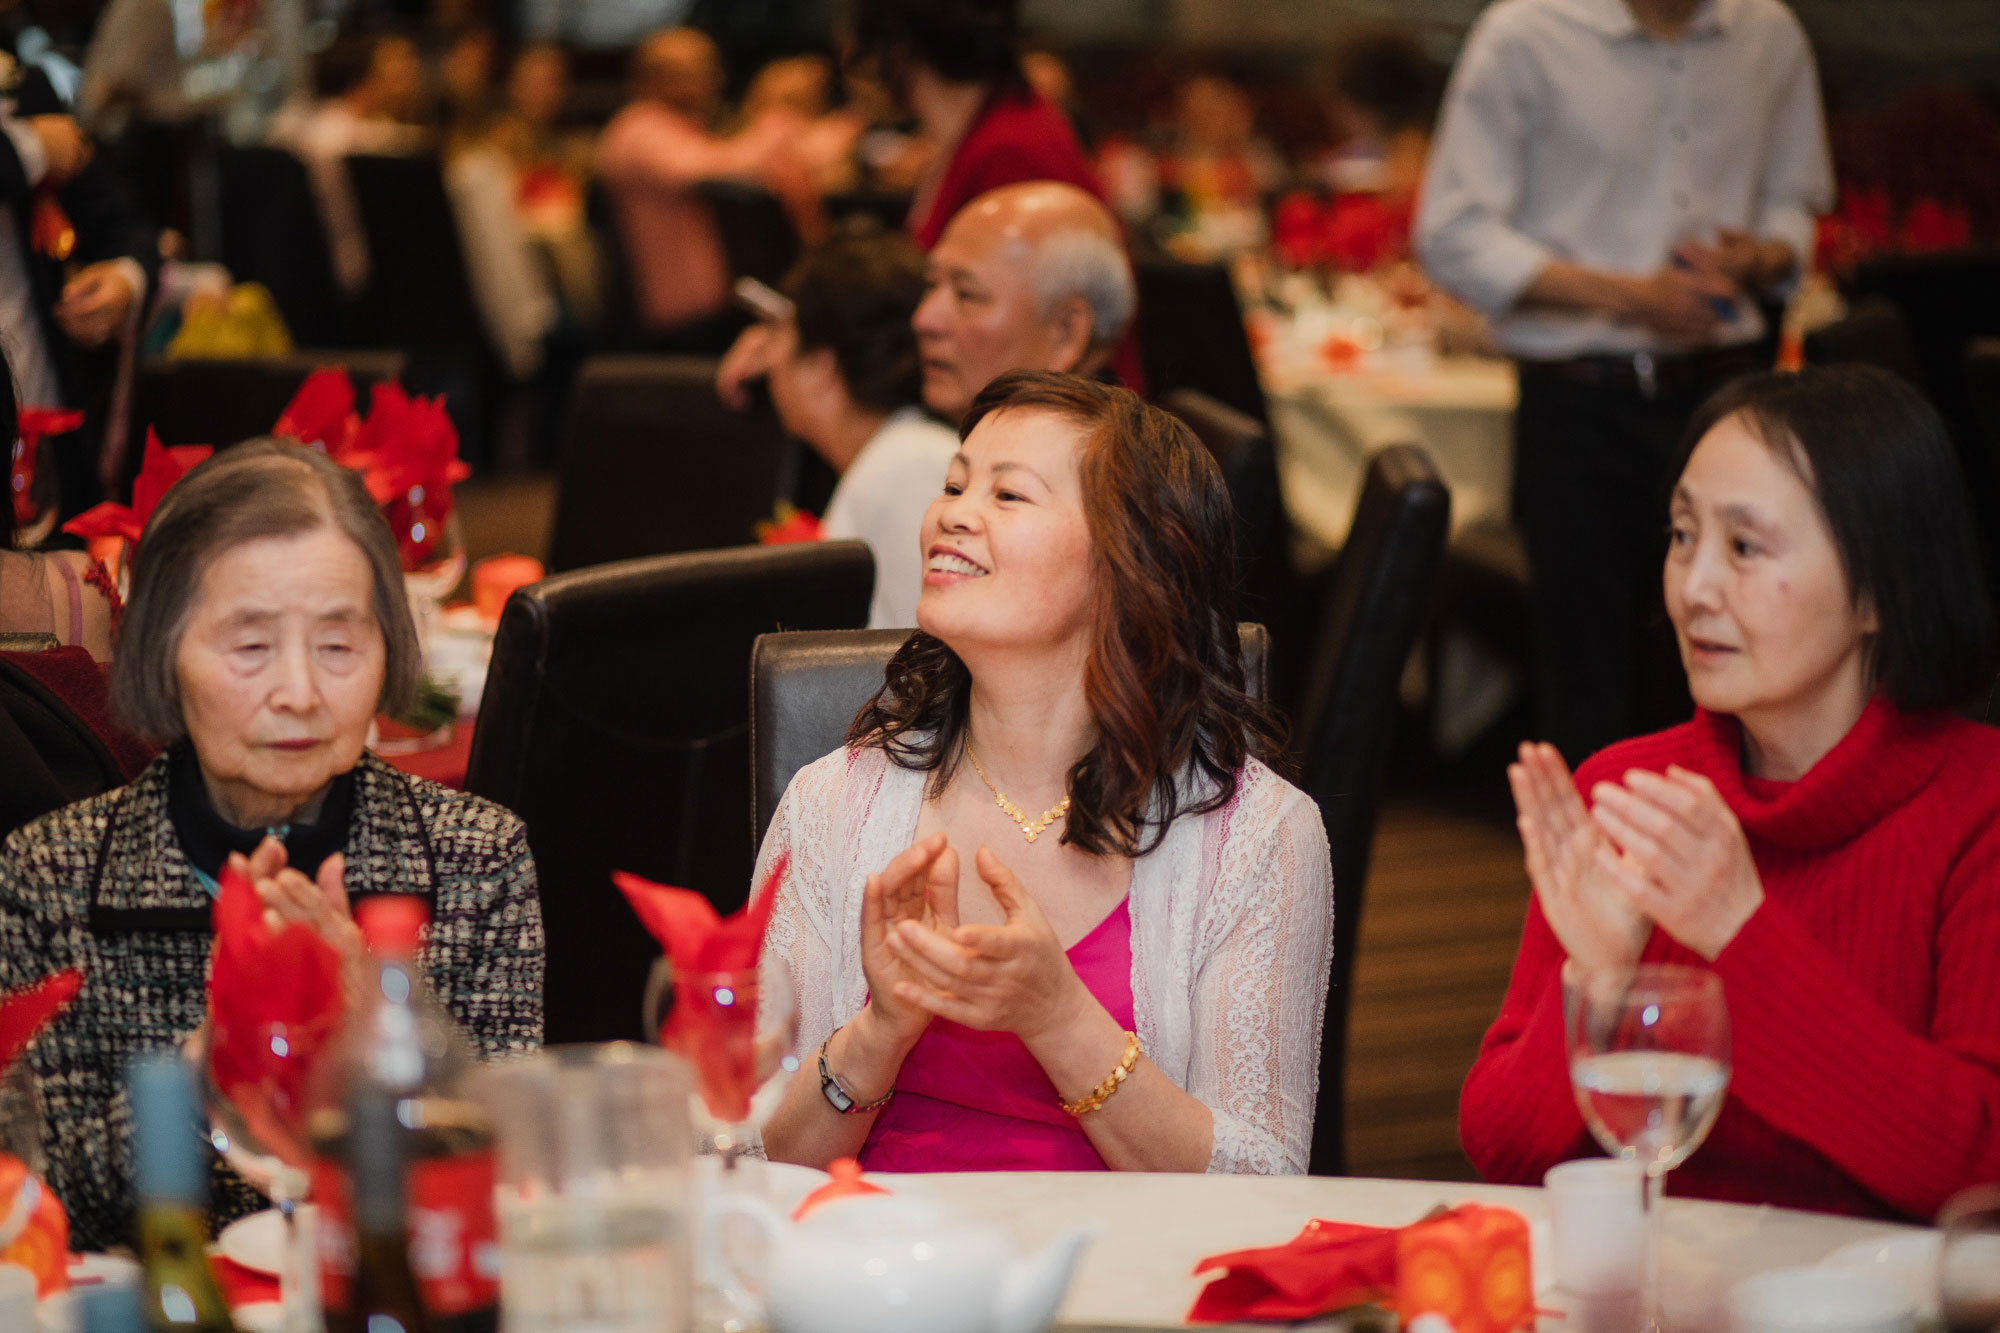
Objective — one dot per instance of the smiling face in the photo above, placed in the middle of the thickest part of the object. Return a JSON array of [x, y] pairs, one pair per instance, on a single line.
[[1768, 627], [1008, 561], [280, 669]]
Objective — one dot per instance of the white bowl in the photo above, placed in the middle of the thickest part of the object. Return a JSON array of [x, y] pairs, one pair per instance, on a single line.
[[1910, 1260], [1824, 1300]]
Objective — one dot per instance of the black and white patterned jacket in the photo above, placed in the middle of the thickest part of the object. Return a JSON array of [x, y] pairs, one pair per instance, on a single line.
[[104, 886]]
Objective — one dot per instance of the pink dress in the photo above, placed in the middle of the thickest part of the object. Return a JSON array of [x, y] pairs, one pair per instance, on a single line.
[[977, 1101]]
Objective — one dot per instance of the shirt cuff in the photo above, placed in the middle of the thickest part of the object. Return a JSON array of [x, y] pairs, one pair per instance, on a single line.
[[28, 147], [1492, 268]]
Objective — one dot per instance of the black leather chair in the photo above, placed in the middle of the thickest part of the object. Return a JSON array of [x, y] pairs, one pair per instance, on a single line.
[[226, 401], [653, 462], [1267, 583], [49, 756], [805, 688], [1872, 333], [758, 237], [1376, 604], [1191, 335], [615, 723], [272, 233]]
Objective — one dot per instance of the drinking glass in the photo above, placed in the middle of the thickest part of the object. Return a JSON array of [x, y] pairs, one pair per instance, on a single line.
[[1969, 1261], [592, 1191], [1649, 1064], [257, 1122]]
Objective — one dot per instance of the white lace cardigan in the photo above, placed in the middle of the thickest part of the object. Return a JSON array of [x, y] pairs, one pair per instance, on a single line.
[[1232, 937]]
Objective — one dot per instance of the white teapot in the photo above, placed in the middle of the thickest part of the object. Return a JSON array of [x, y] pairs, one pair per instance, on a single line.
[[885, 1264]]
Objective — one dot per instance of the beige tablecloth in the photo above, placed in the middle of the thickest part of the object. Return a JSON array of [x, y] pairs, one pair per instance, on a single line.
[[1137, 1273]]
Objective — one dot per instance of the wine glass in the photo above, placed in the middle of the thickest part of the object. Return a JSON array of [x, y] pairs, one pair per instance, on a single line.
[[254, 1079], [1969, 1261], [738, 1029], [1649, 1064]]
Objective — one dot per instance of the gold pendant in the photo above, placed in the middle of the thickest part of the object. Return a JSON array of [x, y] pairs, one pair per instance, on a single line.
[[1031, 829]]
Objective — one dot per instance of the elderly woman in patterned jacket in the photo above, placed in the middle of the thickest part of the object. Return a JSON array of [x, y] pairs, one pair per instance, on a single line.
[[267, 626], [1054, 907]]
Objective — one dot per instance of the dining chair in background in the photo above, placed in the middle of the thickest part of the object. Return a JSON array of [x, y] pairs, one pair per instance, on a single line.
[[1872, 333], [758, 237], [222, 401], [1376, 603], [653, 462], [806, 687], [1190, 329], [272, 234], [616, 722], [1268, 584]]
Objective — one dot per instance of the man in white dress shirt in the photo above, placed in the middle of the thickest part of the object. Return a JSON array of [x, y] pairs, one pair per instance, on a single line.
[[1615, 182]]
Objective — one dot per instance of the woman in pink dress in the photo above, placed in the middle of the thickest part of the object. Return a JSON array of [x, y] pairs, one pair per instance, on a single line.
[[1053, 906]]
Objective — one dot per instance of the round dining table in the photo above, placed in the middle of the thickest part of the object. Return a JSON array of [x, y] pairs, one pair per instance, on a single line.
[[1138, 1272]]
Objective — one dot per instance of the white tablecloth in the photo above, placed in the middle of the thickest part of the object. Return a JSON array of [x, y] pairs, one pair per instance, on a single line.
[[1137, 1273], [1327, 425]]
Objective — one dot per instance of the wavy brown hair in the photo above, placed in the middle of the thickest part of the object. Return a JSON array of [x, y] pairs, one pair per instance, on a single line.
[[1164, 676]]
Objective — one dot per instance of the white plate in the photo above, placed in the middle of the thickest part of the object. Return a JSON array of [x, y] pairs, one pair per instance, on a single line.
[[258, 1241], [1908, 1260]]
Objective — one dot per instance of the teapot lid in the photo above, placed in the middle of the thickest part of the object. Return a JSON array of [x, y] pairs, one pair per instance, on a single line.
[[846, 1183]]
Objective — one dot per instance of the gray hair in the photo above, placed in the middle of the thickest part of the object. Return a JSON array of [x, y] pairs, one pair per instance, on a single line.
[[258, 489], [1075, 262]]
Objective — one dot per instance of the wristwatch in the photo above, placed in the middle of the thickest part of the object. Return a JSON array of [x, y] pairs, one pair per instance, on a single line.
[[836, 1093]]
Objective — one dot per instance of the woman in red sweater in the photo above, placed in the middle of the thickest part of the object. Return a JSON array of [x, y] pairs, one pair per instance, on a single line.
[[1824, 835]]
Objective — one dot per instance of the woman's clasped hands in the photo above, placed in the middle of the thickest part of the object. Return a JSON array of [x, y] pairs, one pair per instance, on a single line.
[[289, 897], [1654, 849], [922, 962]]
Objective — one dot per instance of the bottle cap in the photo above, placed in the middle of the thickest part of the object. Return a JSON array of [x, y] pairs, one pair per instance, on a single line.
[[167, 1160], [392, 923]]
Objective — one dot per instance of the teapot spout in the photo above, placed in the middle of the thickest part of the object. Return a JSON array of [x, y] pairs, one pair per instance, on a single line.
[[1034, 1287]]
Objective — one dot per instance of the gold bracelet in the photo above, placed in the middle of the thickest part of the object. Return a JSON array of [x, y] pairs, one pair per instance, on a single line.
[[1101, 1094]]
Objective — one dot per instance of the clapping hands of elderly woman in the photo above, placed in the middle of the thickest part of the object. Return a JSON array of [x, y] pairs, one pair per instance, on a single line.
[[1652, 850], [320, 903]]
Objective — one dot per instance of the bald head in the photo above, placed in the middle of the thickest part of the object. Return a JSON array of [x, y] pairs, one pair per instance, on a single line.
[[1026, 277], [682, 68]]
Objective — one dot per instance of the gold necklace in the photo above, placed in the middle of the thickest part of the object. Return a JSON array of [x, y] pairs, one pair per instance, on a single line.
[[1031, 829]]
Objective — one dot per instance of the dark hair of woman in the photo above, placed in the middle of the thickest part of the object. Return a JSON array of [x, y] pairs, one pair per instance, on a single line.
[[854, 295], [962, 41], [1164, 677], [258, 489], [1387, 71], [1876, 456]]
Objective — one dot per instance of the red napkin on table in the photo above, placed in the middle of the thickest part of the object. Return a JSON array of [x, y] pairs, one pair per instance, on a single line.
[[714, 1029], [265, 985], [241, 1286], [407, 452], [1327, 1266], [27, 1011], [322, 412], [159, 469], [33, 424]]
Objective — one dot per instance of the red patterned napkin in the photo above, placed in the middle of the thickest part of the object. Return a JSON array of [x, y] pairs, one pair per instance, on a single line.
[[713, 1027], [274, 1002]]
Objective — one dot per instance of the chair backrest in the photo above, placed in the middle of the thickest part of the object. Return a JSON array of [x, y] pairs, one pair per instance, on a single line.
[[49, 755], [419, 294], [758, 237], [654, 462], [224, 401], [805, 688], [615, 723], [1375, 605], [272, 233], [1872, 333], [618, 325], [1191, 335], [1267, 582], [1982, 391]]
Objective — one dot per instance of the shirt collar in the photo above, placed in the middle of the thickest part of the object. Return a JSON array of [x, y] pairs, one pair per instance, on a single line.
[[207, 838], [1613, 19]]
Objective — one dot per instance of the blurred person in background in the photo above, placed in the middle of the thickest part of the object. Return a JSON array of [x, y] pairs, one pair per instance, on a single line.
[[1614, 182], [552, 164], [1216, 162], [1380, 90], [465, 75], [804, 86], [370, 100], [65, 304], [956, 66], [652, 156], [846, 378], [1026, 277]]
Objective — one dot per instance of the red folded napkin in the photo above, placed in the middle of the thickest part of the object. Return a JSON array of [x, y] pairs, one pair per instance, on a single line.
[[27, 1011], [159, 469], [241, 1286], [713, 1027], [1469, 1265], [274, 1002], [31, 424], [321, 413]]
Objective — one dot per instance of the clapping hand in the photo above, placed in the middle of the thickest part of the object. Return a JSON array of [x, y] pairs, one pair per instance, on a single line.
[[918, 889], [1682, 858], [1573, 866], [1014, 977], [319, 903]]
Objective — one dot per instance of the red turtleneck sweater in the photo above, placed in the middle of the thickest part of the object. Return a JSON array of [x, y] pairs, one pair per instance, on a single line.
[[1864, 994]]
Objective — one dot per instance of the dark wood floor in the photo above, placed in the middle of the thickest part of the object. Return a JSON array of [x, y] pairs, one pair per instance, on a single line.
[[1446, 892]]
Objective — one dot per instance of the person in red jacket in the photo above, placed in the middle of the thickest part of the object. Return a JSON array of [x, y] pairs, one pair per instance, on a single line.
[[1824, 834]]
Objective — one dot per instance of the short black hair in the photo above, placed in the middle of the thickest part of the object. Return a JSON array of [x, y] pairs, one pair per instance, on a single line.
[[1880, 462], [1388, 72], [854, 295], [963, 41]]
